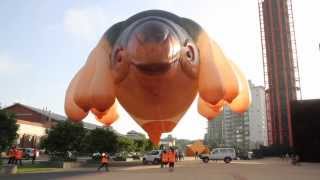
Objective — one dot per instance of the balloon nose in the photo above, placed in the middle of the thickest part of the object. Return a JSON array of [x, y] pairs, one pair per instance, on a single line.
[[153, 42], [152, 32]]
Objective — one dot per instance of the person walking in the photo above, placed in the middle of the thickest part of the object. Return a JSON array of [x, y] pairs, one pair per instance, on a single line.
[[295, 160], [18, 156], [196, 155], [180, 155], [104, 161], [11, 153], [171, 159], [164, 159]]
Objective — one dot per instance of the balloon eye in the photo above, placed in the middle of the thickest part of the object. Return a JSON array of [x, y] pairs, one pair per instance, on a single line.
[[190, 53], [118, 55]]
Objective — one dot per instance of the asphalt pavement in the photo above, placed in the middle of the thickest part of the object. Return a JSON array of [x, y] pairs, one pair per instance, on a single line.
[[265, 169]]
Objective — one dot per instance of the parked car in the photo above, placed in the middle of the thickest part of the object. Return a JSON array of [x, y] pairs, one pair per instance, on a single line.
[[28, 152], [134, 155], [225, 154], [119, 157], [152, 157]]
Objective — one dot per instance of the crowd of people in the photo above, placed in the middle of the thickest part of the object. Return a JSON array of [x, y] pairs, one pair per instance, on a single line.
[[293, 158], [167, 158], [15, 155]]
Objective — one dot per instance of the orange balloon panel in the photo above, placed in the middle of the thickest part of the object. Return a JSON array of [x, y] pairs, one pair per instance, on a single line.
[[230, 82], [210, 79], [96, 88], [242, 102], [107, 117], [155, 128], [73, 111], [209, 111]]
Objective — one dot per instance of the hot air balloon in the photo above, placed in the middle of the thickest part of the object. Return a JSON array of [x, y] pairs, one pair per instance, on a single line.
[[154, 64]]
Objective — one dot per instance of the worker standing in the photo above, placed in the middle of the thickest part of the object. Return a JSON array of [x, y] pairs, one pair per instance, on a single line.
[[18, 156], [171, 159], [104, 162], [164, 158], [11, 155]]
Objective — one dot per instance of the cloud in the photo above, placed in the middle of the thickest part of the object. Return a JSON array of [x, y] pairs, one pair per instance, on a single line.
[[9, 66], [87, 24]]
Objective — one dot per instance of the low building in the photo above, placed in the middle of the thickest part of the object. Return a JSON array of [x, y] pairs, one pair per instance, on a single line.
[[33, 123], [135, 135], [305, 127], [167, 142]]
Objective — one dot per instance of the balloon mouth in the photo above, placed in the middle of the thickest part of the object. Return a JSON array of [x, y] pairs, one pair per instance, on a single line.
[[154, 68]]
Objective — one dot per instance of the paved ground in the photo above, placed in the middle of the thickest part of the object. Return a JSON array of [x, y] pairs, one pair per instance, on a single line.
[[266, 169]]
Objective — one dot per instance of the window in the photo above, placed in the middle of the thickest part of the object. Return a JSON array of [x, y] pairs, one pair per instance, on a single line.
[[154, 153]]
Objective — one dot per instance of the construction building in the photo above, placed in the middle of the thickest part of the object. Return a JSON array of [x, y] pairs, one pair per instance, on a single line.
[[281, 73]]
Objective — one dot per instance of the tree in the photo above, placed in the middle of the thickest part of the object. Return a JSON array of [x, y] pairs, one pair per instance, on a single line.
[[126, 144], [101, 140], [140, 145], [149, 145], [65, 136], [8, 129]]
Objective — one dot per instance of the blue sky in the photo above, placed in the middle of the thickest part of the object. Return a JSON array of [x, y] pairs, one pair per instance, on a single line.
[[44, 43]]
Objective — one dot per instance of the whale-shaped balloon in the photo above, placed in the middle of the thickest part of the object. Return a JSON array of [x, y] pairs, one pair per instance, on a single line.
[[154, 64]]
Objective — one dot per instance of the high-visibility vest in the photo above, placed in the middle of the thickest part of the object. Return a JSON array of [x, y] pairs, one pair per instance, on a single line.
[[18, 154], [171, 157], [164, 157], [104, 159]]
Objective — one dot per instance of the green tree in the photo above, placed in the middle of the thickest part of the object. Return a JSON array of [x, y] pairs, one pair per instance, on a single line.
[[149, 145], [65, 136], [140, 145], [126, 144], [8, 130], [101, 140]]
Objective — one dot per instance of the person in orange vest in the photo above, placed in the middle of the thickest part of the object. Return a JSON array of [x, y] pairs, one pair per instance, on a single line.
[[104, 161], [11, 155], [18, 156], [164, 158], [171, 159]]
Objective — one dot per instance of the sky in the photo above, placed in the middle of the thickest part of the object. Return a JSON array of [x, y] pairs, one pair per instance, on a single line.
[[44, 43]]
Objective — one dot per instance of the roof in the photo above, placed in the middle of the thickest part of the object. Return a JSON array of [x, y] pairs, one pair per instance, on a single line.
[[53, 116], [46, 113]]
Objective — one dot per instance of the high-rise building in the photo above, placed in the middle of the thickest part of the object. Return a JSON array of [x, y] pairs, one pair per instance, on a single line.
[[257, 117], [281, 74], [244, 131]]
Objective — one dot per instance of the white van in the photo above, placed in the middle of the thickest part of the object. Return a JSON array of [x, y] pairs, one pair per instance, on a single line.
[[225, 154], [152, 157]]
